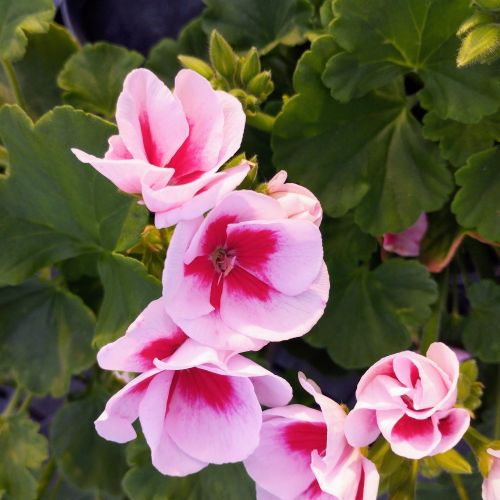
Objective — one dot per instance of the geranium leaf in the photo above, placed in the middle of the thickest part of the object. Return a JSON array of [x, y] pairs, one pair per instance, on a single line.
[[481, 331], [368, 154], [258, 23], [384, 38], [458, 141], [128, 288], [374, 312], [23, 451], [17, 17], [53, 206], [477, 203], [64, 328], [85, 459], [93, 77]]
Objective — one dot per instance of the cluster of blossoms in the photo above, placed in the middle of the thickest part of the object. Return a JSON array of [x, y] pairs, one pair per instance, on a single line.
[[248, 273]]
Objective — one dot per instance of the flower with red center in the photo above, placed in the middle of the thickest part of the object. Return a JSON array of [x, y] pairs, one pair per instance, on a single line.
[[410, 399], [491, 484], [303, 454], [196, 405], [170, 145], [245, 275], [407, 242]]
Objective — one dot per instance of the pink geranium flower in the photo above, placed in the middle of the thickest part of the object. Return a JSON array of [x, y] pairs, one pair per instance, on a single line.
[[245, 275], [196, 405], [407, 242], [170, 145], [491, 485], [303, 454], [410, 399], [298, 202]]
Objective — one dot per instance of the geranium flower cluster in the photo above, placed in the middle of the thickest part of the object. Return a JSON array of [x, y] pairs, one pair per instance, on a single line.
[[243, 269]]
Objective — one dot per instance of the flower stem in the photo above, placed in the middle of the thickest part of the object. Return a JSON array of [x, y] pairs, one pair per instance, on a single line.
[[459, 486], [4, 156], [13, 402], [496, 429], [261, 121], [14, 84], [45, 478], [26, 403]]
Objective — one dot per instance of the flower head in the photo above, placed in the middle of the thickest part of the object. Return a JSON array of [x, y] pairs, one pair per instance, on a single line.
[[407, 242]]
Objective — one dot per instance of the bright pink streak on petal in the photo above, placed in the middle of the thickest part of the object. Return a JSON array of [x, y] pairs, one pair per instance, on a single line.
[[244, 285], [212, 389], [216, 290], [304, 437], [153, 154], [408, 428], [314, 491], [361, 485], [161, 348], [215, 234]]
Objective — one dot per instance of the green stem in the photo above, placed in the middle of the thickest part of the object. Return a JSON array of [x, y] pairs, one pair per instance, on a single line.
[[4, 156], [459, 486], [261, 121], [26, 403], [463, 268], [496, 429], [433, 327], [13, 402], [14, 84], [45, 478]]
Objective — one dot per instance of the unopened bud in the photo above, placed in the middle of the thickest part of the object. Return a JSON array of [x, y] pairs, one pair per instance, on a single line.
[[198, 65], [222, 56]]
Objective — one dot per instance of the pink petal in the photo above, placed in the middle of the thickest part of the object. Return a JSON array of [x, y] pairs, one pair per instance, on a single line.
[[151, 120], [491, 484], [124, 174], [262, 494], [204, 114], [152, 335], [205, 199], [250, 307], [281, 462], [452, 425], [269, 249], [122, 409], [407, 242], [234, 125], [117, 149], [361, 428], [213, 418]]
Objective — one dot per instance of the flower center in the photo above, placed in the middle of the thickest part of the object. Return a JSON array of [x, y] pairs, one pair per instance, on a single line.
[[223, 261]]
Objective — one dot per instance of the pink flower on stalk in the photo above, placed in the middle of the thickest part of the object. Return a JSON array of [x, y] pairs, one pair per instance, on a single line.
[[491, 484], [298, 202], [303, 454], [245, 275], [410, 399], [196, 405], [170, 145], [407, 242]]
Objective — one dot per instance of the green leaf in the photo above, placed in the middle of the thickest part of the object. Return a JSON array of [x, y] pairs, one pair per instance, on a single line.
[[452, 462], [482, 44], [383, 39], [93, 77], [128, 289], [373, 313], [37, 71], [64, 328], [443, 488], [23, 451], [368, 154], [18, 17], [477, 203], [481, 331], [85, 459], [216, 482], [470, 390], [53, 206], [258, 23], [458, 141]]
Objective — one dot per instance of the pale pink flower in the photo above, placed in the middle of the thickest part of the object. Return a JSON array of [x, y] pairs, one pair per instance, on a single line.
[[407, 242], [245, 275], [170, 145], [303, 454], [410, 399], [491, 484], [196, 405], [298, 201]]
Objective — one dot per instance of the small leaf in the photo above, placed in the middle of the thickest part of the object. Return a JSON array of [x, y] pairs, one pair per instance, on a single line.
[[481, 331], [451, 462], [196, 64], [19, 17], [64, 328], [482, 44], [470, 390], [128, 288], [85, 459], [93, 77], [23, 451], [477, 203]]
